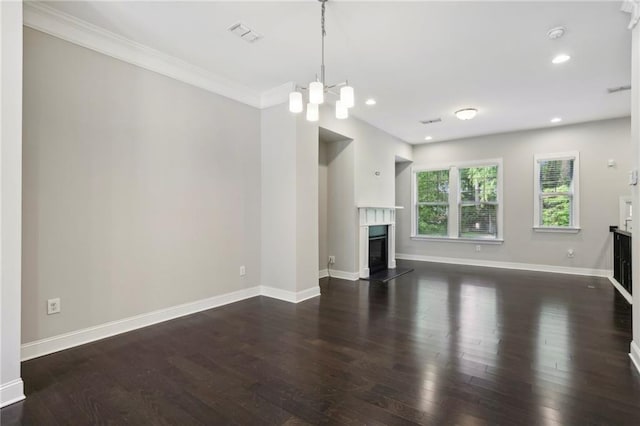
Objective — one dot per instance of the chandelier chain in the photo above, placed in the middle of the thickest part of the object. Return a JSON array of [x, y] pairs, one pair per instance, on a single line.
[[318, 88]]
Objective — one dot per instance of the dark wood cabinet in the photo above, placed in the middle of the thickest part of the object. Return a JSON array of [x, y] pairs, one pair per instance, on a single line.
[[622, 258]]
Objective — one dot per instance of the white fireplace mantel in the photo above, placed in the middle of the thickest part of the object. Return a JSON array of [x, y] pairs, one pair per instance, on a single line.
[[373, 216]]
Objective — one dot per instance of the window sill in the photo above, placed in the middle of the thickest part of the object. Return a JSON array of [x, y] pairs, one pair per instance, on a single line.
[[574, 230], [459, 240]]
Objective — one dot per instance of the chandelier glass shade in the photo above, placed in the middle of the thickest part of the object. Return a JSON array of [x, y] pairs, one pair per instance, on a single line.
[[318, 88], [295, 102]]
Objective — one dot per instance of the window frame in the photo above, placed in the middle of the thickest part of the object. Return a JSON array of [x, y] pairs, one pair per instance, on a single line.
[[453, 229], [574, 194], [417, 203], [469, 203]]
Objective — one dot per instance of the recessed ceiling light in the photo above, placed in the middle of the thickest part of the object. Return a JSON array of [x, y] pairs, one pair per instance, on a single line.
[[561, 59], [556, 119], [466, 113], [428, 138], [370, 101]]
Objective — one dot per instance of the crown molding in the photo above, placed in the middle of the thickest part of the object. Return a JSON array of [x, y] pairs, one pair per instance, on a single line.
[[42, 17], [276, 96]]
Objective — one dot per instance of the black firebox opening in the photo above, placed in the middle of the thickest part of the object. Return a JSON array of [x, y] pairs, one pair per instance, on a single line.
[[377, 248]]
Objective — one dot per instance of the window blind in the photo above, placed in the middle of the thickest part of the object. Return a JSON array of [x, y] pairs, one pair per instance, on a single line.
[[556, 192]]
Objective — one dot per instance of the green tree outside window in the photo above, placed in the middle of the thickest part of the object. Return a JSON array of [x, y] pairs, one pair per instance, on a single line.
[[478, 215], [556, 192], [433, 202]]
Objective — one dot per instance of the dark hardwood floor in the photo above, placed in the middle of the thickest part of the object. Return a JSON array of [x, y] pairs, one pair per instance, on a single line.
[[445, 345]]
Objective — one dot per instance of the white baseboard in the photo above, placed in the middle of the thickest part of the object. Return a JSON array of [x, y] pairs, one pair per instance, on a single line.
[[80, 337], [621, 289], [309, 293], [605, 273], [634, 354], [290, 296], [343, 275], [323, 273], [11, 392], [75, 338]]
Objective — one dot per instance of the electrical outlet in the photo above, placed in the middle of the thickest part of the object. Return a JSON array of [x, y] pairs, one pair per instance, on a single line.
[[478, 247], [571, 253], [243, 271], [332, 260], [53, 306]]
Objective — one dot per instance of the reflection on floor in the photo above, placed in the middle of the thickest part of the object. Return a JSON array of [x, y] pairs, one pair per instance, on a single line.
[[443, 345], [388, 274]]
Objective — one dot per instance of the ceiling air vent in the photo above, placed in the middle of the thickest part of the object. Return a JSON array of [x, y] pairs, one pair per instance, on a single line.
[[244, 32], [435, 120], [618, 89]]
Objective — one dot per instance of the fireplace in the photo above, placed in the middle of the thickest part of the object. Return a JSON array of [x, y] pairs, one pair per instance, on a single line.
[[377, 248]]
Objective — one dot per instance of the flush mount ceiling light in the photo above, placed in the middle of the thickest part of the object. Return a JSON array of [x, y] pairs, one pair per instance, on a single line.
[[556, 120], [370, 101], [319, 87], [428, 138], [466, 113], [560, 59], [556, 33]]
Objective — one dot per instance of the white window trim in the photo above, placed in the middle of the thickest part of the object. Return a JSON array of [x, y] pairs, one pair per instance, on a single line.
[[575, 204], [454, 202]]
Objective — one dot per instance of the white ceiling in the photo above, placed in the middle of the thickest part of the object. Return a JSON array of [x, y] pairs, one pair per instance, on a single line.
[[419, 60]]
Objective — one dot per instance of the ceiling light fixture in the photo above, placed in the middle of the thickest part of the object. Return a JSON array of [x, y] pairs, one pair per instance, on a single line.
[[370, 101], [466, 113], [561, 59], [319, 87], [556, 120], [428, 138], [556, 33]]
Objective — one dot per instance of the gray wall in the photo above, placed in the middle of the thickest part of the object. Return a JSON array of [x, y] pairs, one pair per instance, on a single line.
[[342, 237], [289, 186], [306, 229], [336, 204], [323, 169], [140, 192], [278, 186], [600, 189], [352, 173]]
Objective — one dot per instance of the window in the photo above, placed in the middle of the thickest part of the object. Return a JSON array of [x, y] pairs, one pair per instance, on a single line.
[[458, 202], [556, 192], [433, 202], [479, 202]]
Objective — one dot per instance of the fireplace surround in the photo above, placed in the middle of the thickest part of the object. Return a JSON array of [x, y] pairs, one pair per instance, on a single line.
[[372, 220]]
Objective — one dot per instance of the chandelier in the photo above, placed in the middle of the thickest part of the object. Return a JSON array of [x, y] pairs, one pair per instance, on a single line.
[[318, 88]]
